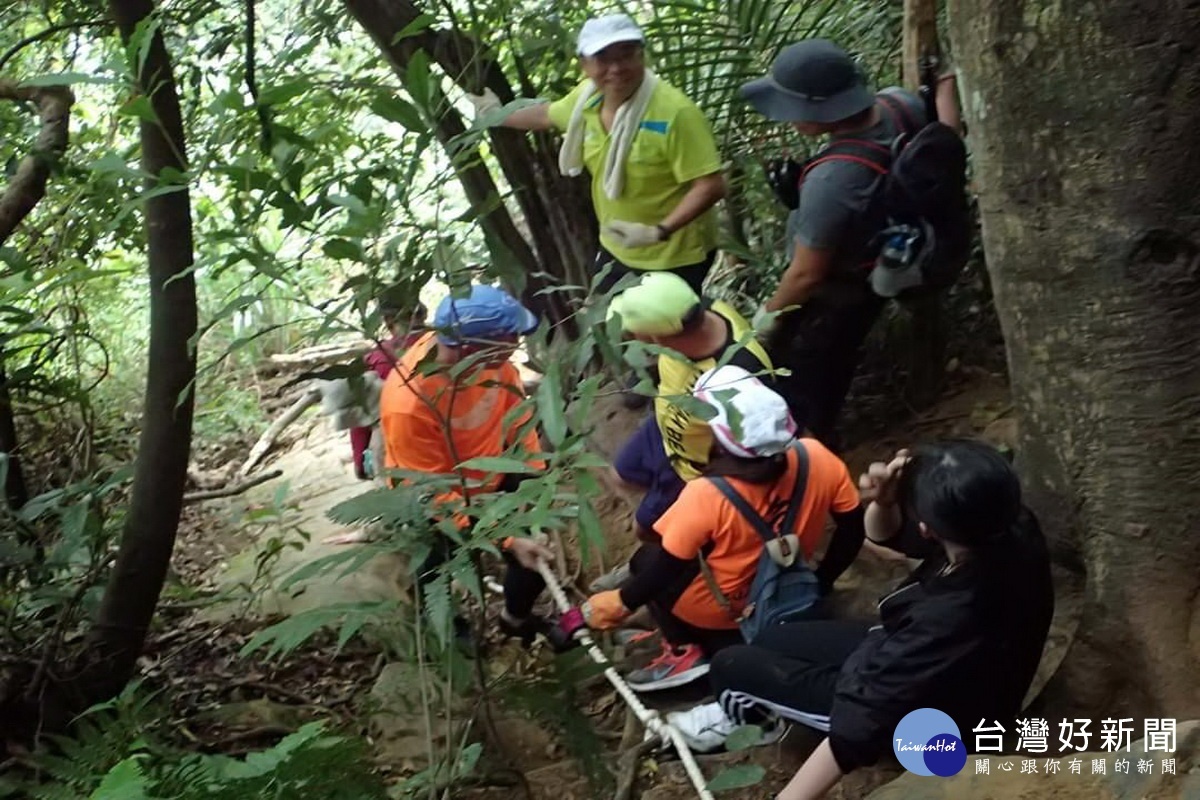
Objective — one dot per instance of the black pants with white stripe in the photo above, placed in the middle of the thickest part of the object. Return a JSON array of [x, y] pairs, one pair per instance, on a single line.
[[790, 671]]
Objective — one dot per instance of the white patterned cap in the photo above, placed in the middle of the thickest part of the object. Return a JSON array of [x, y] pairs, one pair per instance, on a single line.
[[751, 420]]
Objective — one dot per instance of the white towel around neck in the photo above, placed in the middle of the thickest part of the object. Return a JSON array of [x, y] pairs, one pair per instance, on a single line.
[[624, 127]]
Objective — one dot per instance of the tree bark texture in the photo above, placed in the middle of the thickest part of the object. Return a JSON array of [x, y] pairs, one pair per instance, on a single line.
[[27, 187], [1083, 119], [925, 350], [559, 236], [157, 494]]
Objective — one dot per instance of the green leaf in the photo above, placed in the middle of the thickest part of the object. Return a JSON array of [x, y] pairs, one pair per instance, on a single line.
[[139, 106], [66, 79], [418, 80], [738, 777], [467, 760], [400, 505], [550, 405], [500, 465], [439, 607], [402, 112], [286, 636], [422, 22], [343, 249], [348, 202], [137, 49], [283, 92], [114, 164], [743, 737], [125, 781]]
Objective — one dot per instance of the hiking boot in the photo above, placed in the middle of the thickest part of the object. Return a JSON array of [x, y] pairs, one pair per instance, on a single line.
[[705, 728], [675, 666], [610, 580]]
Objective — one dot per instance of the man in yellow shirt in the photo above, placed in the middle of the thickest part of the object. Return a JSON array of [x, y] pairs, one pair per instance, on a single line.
[[656, 174]]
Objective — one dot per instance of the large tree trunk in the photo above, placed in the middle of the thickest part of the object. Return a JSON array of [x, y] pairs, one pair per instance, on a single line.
[[560, 232], [1083, 119], [157, 495]]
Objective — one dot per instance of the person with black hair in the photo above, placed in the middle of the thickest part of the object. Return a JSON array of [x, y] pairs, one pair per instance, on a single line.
[[962, 634], [792, 484]]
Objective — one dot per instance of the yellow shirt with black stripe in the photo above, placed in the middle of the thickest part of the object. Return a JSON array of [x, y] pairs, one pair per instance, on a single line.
[[673, 146], [686, 437]]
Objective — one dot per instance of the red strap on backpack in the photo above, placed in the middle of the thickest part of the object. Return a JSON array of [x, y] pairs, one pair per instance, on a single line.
[[872, 155]]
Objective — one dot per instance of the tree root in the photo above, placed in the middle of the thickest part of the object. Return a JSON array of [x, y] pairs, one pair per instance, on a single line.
[[628, 765]]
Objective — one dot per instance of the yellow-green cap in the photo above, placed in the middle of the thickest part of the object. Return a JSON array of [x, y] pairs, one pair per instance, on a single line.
[[657, 305]]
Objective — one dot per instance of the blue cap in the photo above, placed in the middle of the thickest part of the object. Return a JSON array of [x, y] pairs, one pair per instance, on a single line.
[[485, 313]]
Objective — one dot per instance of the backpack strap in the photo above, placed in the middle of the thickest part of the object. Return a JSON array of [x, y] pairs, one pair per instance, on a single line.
[[789, 520], [873, 156], [765, 531], [756, 521]]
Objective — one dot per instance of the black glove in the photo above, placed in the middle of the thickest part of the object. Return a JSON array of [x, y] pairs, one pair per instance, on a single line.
[[783, 176]]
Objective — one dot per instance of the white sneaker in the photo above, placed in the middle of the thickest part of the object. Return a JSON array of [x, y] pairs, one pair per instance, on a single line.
[[705, 728]]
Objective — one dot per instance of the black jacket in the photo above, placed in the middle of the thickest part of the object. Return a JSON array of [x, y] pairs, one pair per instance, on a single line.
[[967, 643]]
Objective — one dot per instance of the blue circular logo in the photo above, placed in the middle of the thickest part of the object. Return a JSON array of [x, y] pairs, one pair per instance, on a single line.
[[927, 742]]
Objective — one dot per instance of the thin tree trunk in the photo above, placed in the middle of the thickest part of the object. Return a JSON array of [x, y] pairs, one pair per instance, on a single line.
[[157, 494], [27, 187], [557, 215], [1083, 118], [926, 349], [15, 491]]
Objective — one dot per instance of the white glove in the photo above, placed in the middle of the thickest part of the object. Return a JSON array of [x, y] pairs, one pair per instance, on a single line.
[[633, 234], [485, 102]]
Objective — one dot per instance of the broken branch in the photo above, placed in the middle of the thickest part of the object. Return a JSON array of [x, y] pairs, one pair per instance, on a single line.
[[230, 491]]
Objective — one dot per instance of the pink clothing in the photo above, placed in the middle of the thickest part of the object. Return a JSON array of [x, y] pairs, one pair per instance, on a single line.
[[380, 360]]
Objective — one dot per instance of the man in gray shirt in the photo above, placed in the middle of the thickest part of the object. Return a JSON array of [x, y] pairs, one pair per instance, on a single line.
[[816, 86]]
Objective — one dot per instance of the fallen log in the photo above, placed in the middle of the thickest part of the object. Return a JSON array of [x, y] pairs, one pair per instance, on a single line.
[[265, 442], [323, 354], [232, 489]]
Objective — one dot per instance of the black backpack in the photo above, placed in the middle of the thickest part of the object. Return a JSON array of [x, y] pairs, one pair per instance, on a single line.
[[919, 209]]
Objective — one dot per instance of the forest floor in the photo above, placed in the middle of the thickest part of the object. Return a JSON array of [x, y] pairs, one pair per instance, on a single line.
[[233, 557]]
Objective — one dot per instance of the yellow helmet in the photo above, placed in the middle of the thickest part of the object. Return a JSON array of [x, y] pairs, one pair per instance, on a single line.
[[659, 304]]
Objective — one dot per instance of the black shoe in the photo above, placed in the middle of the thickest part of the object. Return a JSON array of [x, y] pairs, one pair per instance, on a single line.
[[528, 629], [632, 399], [464, 639]]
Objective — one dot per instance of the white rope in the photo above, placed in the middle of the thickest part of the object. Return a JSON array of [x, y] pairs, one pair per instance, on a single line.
[[648, 717]]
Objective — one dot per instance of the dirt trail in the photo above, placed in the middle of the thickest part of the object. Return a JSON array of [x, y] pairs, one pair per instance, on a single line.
[[292, 512]]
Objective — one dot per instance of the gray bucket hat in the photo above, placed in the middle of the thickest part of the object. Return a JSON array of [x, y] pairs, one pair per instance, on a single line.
[[810, 81]]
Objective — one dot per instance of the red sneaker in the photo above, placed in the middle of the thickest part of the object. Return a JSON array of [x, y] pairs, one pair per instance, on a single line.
[[676, 666]]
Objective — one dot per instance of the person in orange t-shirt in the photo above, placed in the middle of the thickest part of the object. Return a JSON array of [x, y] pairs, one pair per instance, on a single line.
[[434, 418], [753, 448]]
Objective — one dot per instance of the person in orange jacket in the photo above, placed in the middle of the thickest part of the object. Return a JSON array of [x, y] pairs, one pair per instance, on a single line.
[[435, 416], [755, 449]]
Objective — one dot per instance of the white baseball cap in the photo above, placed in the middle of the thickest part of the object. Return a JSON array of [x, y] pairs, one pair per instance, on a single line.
[[751, 421], [599, 32]]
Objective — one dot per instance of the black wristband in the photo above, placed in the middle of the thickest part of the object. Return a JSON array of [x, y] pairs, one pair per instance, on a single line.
[[663, 233]]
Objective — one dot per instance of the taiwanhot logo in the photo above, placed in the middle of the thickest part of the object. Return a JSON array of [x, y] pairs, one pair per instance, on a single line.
[[927, 742]]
